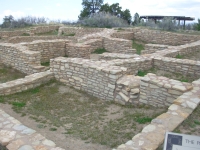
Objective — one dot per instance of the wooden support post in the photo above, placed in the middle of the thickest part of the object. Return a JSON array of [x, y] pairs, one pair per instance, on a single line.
[[184, 25]]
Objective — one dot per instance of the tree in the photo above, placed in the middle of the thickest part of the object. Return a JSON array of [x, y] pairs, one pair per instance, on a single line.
[[7, 21], [126, 15], [105, 8], [136, 19], [89, 7], [197, 26], [116, 10]]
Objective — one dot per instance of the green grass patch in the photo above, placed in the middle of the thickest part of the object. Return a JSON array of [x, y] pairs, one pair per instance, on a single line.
[[142, 73], [25, 34], [34, 90], [7, 74], [52, 129], [143, 120], [197, 122], [3, 71], [45, 64], [50, 33], [18, 104], [99, 51], [71, 34], [66, 56], [179, 56], [138, 47], [41, 126], [2, 99]]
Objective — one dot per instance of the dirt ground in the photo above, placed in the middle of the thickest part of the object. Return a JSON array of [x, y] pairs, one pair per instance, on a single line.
[[9, 74], [74, 120]]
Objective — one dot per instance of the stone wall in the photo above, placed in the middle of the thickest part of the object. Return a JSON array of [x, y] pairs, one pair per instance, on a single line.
[[6, 34], [115, 45], [94, 43], [149, 51], [78, 50], [127, 90], [155, 46], [123, 35], [79, 31], [184, 66], [48, 48], [94, 77], [29, 82], [111, 56], [20, 39], [43, 29], [33, 30], [133, 64], [162, 37], [160, 91], [152, 135], [20, 58], [191, 48]]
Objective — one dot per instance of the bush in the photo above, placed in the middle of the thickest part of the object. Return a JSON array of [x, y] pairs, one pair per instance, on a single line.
[[103, 20], [10, 22], [168, 23], [197, 25]]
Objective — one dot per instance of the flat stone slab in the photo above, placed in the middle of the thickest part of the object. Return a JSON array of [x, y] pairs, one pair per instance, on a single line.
[[14, 135]]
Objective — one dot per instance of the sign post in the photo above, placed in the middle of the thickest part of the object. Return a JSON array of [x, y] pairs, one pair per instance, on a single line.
[[175, 141]]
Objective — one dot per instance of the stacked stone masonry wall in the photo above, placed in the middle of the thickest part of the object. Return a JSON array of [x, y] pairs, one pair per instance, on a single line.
[[123, 35], [94, 43], [94, 77], [79, 31], [20, 58], [152, 135], [43, 29], [184, 66], [160, 91], [191, 48], [29, 82], [162, 37], [150, 51], [39, 29], [21, 39], [133, 64], [79, 50], [155, 46], [112, 56], [115, 45], [6, 34], [48, 48]]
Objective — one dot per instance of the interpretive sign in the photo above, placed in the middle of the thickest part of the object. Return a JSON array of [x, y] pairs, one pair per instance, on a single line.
[[175, 141]]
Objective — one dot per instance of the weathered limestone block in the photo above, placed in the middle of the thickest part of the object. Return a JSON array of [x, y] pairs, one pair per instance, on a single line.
[[127, 90]]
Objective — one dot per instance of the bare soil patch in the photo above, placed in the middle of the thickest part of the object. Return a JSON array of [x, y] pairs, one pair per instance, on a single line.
[[9, 74], [76, 120]]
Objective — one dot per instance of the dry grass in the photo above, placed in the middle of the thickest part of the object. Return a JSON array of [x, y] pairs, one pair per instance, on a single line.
[[9, 74], [83, 116]]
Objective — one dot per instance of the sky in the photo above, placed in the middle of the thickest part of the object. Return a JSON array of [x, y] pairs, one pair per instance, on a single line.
[[70, 9]]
